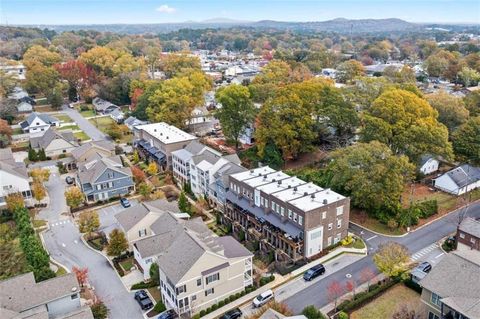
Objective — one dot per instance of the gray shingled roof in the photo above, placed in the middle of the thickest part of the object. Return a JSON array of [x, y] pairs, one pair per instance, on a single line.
[[49, 135], [8, 164], [21, 293], [106, 146], [206, 155], [82, 313], [91, 170], [464, 175], [455, 279], [44, 117], [129, 217], [232, 248], [194, 147], [470, 226]]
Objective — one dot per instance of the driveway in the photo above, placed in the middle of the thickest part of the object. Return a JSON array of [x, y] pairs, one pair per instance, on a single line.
[[421, 244], [90, 129], [108, 221], [63, 242]]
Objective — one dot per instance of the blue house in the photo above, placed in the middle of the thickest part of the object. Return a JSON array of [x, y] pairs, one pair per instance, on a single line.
[[101, 178], [219, 187]]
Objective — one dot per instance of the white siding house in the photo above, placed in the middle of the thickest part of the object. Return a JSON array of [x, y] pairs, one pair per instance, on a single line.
[[459, 180]]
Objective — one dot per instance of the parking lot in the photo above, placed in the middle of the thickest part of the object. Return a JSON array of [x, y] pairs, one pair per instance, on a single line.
[[107, 216]]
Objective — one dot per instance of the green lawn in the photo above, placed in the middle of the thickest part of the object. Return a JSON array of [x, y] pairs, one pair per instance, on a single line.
[[127, 264], [373, 224], [386, 305], [69, 127], [63, 117], [41, 102], [155, 292], [39, 223], [102, 123], [17, 131], [82, 136], [88, 113]]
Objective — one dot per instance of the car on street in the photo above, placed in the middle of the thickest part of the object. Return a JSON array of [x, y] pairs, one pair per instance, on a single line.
[[262, 299], [168, 314], [425, 267], [69, 180], [143, 299], [125, 202], [314, 272], [232, 314]]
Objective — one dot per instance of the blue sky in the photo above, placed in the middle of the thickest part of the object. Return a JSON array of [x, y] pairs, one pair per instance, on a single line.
[[154, 11]]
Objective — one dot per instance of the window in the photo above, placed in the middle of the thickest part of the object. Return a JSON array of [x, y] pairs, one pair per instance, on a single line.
[[339, 223], [462, 235], [472, 240], [282, 211], [194, 298], [148, 260], [431, 315], [329, 241], [199, 282], [74, 296], [142, 232], [181, 289], [300, 220], [209, 291], [330, 226], [295, 217], [290, 214], [212, 278], [339, 210], [324, 215], [435, 299]]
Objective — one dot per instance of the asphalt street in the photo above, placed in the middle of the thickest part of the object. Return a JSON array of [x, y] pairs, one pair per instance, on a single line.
[[65, 246], [420, 243], [89, 129]]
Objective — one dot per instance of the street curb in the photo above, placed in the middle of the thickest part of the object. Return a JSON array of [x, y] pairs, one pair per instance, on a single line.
[[40, 234], [108, 259], [418, 228], [103, 206], [379, 234]]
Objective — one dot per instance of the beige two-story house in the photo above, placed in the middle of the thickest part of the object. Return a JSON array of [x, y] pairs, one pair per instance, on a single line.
[[452, 288]]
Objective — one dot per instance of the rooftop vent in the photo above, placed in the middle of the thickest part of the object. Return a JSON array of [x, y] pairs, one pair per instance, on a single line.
[[295, 189], [273, 180], [305, 194], [264, 176], [251, 171], [325, 202], [289, 186], [312, 196], [279, 182]]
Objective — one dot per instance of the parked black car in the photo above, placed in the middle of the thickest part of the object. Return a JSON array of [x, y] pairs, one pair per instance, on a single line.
[[168, 314], [314, 272], [143, 300], [125, 202], [232, 314], [69, 180]]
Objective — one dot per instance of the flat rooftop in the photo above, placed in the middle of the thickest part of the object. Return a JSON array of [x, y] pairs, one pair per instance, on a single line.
[[316, 200], [298, 192], [166, 133], [281, 185], [253, 173], [266, 179]]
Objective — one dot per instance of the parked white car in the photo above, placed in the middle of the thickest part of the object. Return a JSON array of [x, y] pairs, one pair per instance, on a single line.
[[262, 298]]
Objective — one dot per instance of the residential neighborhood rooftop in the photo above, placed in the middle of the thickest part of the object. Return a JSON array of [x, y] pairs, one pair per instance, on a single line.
[[166, 133]]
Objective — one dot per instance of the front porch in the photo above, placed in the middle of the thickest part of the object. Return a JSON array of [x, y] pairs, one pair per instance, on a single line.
[[151, 153]]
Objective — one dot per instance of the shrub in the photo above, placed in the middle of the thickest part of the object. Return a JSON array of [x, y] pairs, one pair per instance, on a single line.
[[197, 316], [362, 298], [238, 295], [143, 285], [413, 285], [221, 303], [214, 307], [202, 313], [342, 315], [232, 298], [99, 310], [159, 307], [311, 312], [347, 241], [208, 310], [427, 208]]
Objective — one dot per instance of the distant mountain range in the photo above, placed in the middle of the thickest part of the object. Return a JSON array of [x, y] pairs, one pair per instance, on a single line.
[[339, 25]]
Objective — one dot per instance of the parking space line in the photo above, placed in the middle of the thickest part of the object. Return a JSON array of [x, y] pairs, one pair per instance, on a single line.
[[375, 236], [439, 255]]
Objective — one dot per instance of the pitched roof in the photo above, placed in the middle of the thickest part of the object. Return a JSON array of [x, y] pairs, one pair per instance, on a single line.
[[44, 117], [8, 164], [94, 167], [455, 280], [105, 146], [425, 158], [207, 156], [232, 248], [102, 105], [470, 226], [50, 135], [21, 293], [464, 175], [129, 217]]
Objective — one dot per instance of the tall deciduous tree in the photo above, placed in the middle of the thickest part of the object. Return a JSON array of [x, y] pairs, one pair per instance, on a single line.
[[407, 124], [334, 291], [286, 122], [117, 243], [237, 111], [371, 174], [183, 204], [74, 197], [81, 274], [451, 109], [391, 259], [466, 140], [349, 70], [88, 222], [39, 191]]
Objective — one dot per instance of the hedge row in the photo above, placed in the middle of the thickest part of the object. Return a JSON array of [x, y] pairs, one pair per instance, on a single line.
[[413, 285], [266, 280], [36, 256], [362, 298], [227, 300], [144, 285]]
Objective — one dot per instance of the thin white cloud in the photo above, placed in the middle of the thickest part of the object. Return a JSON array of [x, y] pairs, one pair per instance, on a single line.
[[165, 8]]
